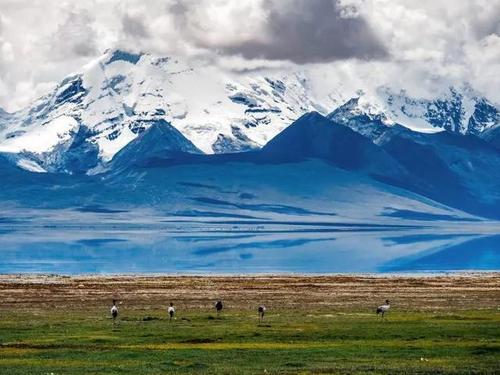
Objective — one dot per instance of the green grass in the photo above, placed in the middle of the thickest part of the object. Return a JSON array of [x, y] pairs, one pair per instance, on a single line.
[[48, 342]]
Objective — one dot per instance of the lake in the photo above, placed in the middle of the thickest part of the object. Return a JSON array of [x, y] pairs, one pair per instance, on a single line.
[[101, 244]]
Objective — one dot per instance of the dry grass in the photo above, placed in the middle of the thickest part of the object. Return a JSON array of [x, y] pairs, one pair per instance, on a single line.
[[315, 293]]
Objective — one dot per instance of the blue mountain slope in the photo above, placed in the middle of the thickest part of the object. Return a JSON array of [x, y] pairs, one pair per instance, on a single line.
[[314, 136], [458, 171], [159, 141], [313, 164], [492, 136], [39, 190], [461, 171], [9, 172]]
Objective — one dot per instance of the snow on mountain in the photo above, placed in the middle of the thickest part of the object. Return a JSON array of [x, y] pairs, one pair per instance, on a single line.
[[116, 97], [362, 117], [41, 138], [4, 118], [459, 110]]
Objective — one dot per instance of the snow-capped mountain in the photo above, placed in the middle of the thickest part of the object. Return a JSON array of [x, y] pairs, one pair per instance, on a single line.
[[458, 112], [362, 117], [461, 111], [91, 115], [119, 95], [460, 170]]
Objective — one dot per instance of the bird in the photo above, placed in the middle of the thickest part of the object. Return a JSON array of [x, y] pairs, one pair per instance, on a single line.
[[114, 311], [218, 307], [171, 311], [262, 311], [382, 309]]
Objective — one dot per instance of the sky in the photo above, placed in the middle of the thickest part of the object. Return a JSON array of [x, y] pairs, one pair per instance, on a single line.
[[421, 46]]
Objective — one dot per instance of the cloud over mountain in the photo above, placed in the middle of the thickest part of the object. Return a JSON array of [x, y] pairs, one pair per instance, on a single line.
[[421, 46]]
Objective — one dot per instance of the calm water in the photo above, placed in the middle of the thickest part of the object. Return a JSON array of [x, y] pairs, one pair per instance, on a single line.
[[185, 247]]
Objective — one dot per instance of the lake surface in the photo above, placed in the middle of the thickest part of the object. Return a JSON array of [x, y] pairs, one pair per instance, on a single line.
[[32, 245]]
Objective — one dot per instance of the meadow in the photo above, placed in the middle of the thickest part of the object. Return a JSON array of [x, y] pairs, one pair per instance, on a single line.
[[434, 331]]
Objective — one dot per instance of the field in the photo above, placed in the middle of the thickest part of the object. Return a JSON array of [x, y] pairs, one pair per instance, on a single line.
[[61, 325]]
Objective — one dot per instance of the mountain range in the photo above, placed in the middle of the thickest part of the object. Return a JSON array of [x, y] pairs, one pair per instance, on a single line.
[[138, 130]]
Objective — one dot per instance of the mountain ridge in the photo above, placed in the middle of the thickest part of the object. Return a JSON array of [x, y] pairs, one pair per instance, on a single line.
[[116, 96]]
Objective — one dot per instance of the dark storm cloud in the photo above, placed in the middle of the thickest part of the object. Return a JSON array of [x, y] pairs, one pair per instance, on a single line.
[[311, 31]]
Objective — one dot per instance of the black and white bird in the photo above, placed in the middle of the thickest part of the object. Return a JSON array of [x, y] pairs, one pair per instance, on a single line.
[[382, 309], [114, 311], [262, 311], [171, 311], [218, 307]]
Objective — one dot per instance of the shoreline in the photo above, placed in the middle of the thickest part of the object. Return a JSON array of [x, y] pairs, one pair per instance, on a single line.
[[341, 292], [379, 275]]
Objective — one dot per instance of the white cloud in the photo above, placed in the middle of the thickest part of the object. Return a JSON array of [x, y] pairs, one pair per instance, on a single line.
[[421, 46]]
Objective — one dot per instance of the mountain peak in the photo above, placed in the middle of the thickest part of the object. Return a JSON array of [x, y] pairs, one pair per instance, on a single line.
[[159, 140], [311, 118], [218, 110], [122, 55], [315, 136], [364, 118]]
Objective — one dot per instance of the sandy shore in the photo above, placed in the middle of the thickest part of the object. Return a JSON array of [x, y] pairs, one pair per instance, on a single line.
[[315, 293]]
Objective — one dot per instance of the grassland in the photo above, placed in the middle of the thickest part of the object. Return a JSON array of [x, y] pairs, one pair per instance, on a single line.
[[59, 325]]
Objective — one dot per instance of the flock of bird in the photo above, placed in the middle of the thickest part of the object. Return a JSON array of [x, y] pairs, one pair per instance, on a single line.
[[382, 309]]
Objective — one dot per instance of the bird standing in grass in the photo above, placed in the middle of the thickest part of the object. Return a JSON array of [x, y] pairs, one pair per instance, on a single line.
[[114, 311], [218, 307], [171, 311], [384, 308], [262, 311]]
